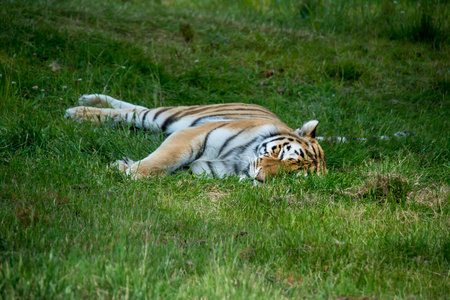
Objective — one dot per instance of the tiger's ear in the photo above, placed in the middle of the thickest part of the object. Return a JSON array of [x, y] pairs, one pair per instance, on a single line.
[[308, 129]]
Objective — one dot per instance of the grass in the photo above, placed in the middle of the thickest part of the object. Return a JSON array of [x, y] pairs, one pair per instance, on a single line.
[[377, 226]]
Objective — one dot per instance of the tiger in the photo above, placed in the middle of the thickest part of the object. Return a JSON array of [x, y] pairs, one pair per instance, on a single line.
[[219, 140]]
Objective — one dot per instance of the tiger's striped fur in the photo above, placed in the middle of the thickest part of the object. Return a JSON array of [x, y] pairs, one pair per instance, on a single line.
[[222, 139]]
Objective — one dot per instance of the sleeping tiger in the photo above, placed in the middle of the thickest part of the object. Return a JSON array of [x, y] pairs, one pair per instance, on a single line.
[[246, 140]]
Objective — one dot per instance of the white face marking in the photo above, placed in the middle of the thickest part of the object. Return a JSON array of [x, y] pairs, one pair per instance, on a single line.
[[270, 147], [291, 151]]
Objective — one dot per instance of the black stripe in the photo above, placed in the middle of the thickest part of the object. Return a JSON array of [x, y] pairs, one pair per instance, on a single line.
[[246, 173], [240, 147], [273, 140], [160, 111], [145, 116], [230, 139], [259, 146], [276, 139], [227, 107], [202, 149], [314, 150], [319, 154], [211, 168], [193, 124], [236, 168], [198, 120], [302, 154], [200, 108], [263, 110], [192, 110], [169, 120]]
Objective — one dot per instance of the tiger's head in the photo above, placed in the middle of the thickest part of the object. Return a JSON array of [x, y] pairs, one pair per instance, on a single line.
[[293, 152]]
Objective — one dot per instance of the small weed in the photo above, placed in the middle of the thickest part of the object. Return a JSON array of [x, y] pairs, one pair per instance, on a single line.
[[389, 188], [306, 8], [187, 32], [421, 27], [345, 70], [383, 189]]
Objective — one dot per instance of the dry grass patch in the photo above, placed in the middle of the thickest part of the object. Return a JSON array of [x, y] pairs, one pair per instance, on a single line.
[[382, 188], [215, 194], [434, 196], [396, 188]]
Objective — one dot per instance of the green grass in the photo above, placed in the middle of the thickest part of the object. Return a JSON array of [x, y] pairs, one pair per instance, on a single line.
[[377, 226]]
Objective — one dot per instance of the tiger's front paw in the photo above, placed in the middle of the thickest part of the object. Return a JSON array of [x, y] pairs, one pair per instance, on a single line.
[[122, 165], [93, 100], [134, 174]]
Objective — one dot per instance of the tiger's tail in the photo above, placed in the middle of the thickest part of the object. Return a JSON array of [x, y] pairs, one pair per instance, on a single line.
[[338, 139]]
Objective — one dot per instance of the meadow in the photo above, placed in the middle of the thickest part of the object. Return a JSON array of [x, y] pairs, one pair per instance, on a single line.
[[377, 226]]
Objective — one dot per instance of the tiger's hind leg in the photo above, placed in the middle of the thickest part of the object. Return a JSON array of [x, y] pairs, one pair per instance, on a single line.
[[133, 117], [104, 101], [97, 115]]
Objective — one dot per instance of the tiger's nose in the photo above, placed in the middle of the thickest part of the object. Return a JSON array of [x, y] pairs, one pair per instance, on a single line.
[[261, 176]]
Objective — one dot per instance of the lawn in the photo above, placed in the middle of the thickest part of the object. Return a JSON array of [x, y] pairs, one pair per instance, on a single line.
[[376, 226]]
